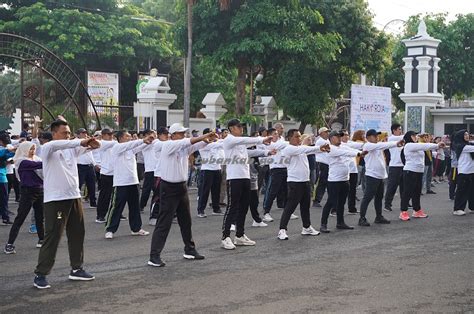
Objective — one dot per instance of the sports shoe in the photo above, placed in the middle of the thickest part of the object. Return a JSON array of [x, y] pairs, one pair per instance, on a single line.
[[123, 218], [80, 274], [232, 227], [459, 213], [381, 220], [430, 192], [316, 204], [202, 215], [344, 227], [40, 282], [404, 216], [227, 244], [363, 222], [293, 216], [259, 224], [32, 229], [193, 255], [324, 229], [309, 231], [9, 249], [109, 235], [7, 222], [243, 241], [100, 220], [39, 244], [140, 232], [267, 218], [333, 213], [218, 213], [152, 221], [282, 235], [353, 212], [388, 208], [156, 262], [92, 205], [419, 214]]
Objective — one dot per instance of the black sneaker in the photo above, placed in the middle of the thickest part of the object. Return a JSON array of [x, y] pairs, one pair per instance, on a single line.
[[218, 213], [316, 204], [40, 282], [388, 208], [430, 192], [123, 218], [80, 274], [333, 213], [381, 220], [93, 205], [156, 262], [39, 244], [324, 229], [344, 227], [352, 212], [193, 255], [100, 220], [7, 222], [9, 249], [363, 222]]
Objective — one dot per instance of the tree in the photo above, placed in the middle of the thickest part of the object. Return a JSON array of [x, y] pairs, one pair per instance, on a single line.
[[262, 32]]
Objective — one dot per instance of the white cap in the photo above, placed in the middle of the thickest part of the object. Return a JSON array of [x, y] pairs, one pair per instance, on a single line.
[[177, 127], [323, 129]]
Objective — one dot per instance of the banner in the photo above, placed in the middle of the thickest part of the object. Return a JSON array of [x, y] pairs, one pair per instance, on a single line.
[[103, 88], [371, 108]]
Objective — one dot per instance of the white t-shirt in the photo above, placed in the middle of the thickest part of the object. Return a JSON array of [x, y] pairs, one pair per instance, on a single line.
[[86, 159], [375, 164], [353, 161], [322, 157], [149, 156], [125, 163], [278, 158], [106, 164], [61, 181], [298, 167], [465, 162], [415, 156], [157, 148], [212, 156], [395, 159], [175, 159], [235, 149]]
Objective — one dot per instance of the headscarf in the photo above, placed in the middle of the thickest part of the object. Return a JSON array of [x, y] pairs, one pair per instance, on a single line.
[[22, 153], [458, 143]]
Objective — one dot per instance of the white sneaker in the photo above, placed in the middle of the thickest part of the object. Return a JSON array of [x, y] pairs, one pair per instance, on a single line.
[[152, 222], [310, 231], [227, 244], [259, 224], [293, 216], [459, 213], [109, 235], [282, 234], [140, 232], [267, 218], [232, 227], [244, 241]]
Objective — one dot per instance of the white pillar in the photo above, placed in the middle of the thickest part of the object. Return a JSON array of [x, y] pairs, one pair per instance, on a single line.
[[436, 69], [423, 68], [408, 73]]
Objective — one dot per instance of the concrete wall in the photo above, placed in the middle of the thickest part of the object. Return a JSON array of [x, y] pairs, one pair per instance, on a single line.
[[440, 121]]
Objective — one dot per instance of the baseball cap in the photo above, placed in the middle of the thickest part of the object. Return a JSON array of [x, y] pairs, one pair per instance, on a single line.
[[80, 130], [206, 130], [323, 129], [162, 130], [372, 132], [336, 133], [233, 122], [107, 131], [177, 128]]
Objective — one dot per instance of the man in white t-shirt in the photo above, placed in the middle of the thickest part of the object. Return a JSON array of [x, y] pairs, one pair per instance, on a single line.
[[395, 168]]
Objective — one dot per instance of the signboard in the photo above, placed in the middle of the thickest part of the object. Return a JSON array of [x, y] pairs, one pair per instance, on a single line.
[[103, 88], [371, 108]]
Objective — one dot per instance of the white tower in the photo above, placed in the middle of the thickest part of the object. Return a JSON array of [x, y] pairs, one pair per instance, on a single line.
[[421, 80]]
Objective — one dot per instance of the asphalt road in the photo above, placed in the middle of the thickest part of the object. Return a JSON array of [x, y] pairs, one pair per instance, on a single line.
[[423, 265]]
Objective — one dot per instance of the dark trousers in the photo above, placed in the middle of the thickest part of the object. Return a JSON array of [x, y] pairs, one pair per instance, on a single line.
[[60, 215], [254, 205], [210, 182], [452, 181], [155, 200], [174, 200], [322, 182], [13, 184], [87, 176], [263, 177], [97, 178], [413, 183], [238, 191], [337, 194], [464, 192], [395, 179], [277, 188], [140, 171], [124, 195], [298, 193], [147, 187], [28, 197], [4, 201], [351, 195], [373, 190], [105, 195]]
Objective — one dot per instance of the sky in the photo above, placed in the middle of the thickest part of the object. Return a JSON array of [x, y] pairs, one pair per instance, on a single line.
[[387, 10]]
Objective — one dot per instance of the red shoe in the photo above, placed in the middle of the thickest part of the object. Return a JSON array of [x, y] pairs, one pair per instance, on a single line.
[[419, 214], [404, 216]]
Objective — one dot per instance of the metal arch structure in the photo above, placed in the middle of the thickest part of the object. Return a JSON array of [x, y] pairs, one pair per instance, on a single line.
[[26, 50]]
